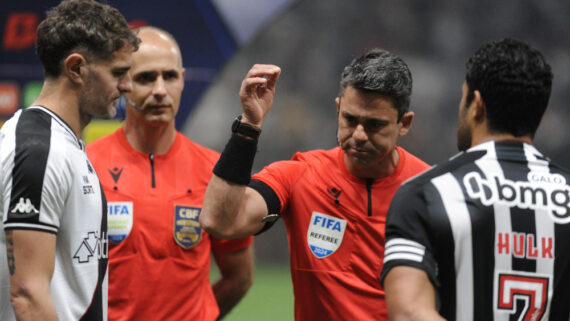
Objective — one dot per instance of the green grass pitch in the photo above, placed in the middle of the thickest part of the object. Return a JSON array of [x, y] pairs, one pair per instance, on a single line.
[[269, 298]]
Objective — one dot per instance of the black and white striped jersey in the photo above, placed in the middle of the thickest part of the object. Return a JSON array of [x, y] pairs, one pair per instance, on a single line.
[[47, 184], [491, 228]]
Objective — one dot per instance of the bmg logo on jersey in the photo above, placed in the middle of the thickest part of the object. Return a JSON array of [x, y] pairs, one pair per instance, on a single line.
[[542, 192], [94, 245], [325, 234]]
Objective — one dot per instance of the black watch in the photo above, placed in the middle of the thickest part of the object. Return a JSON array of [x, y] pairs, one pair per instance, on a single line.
[[245, 129]]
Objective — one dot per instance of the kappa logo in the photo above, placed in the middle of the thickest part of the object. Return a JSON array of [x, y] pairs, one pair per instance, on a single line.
[[92, 245], [24, 206], [116, 174]]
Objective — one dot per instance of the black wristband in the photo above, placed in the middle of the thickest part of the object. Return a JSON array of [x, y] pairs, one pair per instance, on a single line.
[[236, 160]]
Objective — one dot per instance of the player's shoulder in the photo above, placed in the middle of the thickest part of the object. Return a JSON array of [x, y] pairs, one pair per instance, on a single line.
[[9, 126], [7, 141], [29, 123], [37, 130], [562, 170], [47, 130], [451, 165], [8, 132]]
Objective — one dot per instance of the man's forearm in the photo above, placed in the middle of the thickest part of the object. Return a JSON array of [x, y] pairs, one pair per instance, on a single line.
[[236, 269], [230, 209], [221, 206], [410, 296], [228, 293], [29, 306], [31, 257]]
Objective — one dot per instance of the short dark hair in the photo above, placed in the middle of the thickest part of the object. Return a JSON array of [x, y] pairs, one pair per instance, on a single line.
[[379, 71], [86, 26], [515, 83]]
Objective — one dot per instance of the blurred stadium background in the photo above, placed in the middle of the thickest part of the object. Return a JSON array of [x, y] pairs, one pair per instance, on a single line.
[[311, 40]]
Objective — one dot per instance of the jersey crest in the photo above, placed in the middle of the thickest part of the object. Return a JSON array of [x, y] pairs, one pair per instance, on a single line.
[[119, 220], [325, 234], [187, 230]]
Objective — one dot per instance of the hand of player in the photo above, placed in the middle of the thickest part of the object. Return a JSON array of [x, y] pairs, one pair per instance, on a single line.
[[257, 92]]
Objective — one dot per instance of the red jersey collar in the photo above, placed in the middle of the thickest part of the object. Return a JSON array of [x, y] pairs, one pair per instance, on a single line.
[[124, 142]]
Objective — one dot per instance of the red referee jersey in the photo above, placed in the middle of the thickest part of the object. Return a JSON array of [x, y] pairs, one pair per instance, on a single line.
[[335, 225], [159, 257]]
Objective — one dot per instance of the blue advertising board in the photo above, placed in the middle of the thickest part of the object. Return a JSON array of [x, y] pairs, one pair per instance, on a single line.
[[204, 38]]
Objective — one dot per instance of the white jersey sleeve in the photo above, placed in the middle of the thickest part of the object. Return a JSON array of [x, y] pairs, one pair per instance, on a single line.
[[34, 195]]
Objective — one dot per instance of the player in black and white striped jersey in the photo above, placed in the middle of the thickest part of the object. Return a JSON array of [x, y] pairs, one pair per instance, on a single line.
[[53, 243], [486, 235]]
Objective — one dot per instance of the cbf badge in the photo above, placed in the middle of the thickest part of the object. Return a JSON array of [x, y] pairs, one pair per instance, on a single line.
[[325, 234], [119, 220], [187, 230]]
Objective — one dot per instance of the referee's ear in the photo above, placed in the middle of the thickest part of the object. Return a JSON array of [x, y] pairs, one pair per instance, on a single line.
[[405, 123], [337, 102]]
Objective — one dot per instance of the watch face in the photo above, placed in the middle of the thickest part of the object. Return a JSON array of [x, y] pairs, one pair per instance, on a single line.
[[245, 129]]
